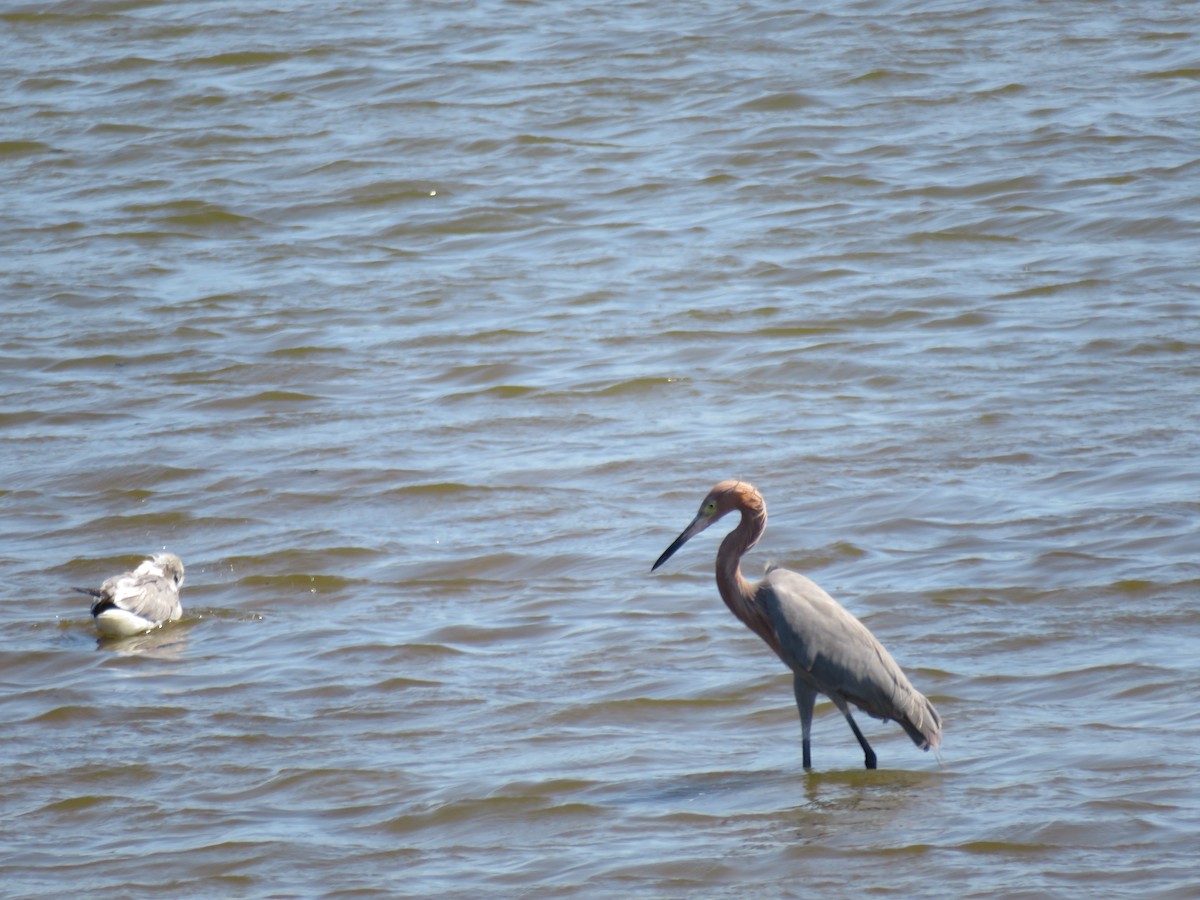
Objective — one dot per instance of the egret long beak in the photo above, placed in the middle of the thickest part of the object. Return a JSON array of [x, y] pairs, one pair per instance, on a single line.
[[698, 525]]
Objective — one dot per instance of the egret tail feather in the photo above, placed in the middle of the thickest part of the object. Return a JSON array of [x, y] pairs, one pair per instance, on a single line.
[[926, 733]]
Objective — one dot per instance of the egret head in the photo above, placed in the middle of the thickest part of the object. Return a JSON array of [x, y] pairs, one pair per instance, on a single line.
[[723, 498]]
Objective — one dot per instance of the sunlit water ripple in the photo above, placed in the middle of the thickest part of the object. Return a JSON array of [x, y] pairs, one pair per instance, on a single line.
[[419, 331]]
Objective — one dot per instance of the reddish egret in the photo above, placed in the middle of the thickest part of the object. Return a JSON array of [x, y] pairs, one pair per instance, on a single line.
[[828, 650], [140, 600]]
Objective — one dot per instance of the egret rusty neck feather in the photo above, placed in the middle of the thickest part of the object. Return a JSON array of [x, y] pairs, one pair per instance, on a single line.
[[738, 593]]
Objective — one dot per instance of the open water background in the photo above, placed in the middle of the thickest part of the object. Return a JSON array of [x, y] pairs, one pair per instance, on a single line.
[[420, 329]]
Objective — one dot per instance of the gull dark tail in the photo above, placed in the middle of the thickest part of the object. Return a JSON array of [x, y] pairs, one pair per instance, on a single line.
[[101, 602]]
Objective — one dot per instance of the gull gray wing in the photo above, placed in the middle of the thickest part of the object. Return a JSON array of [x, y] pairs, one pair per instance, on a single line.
[[145, 593]]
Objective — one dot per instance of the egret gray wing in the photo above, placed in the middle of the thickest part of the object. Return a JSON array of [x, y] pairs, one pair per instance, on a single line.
[[827, 646]]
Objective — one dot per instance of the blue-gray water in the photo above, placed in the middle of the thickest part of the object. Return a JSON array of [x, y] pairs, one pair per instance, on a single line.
[[419, 330]]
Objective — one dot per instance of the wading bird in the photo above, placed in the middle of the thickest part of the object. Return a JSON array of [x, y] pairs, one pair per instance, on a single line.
[[829, 651], [140, 600]]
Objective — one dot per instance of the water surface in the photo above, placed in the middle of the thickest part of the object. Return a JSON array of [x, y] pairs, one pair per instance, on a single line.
[[420, 330]]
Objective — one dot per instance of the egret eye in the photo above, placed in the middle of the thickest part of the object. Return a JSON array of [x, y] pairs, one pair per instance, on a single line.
[[710, 507]]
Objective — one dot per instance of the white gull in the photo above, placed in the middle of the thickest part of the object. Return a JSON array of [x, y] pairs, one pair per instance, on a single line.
[[141, 600]]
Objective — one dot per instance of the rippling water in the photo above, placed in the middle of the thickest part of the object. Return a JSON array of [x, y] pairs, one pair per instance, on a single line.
[[420, 330]]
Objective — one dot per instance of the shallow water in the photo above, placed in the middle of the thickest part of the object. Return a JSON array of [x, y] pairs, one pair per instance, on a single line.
[[420, 331]]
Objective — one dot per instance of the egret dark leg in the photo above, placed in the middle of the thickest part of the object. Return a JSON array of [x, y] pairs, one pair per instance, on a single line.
[[806, 699], [870, 754]]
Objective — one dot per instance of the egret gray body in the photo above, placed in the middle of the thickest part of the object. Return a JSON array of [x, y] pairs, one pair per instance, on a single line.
[[829, 651], [141, 600]]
